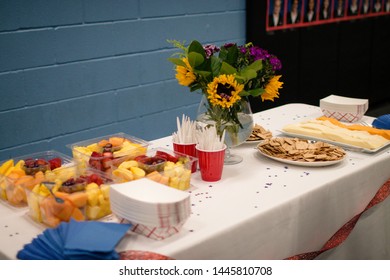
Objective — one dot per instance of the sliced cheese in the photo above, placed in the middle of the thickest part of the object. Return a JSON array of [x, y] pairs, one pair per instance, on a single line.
[[327, 130]]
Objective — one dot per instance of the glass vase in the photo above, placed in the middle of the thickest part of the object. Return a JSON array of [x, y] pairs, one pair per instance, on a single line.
[[237, 124]]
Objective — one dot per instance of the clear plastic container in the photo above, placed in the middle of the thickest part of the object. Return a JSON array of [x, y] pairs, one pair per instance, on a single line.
[[24, 172], [84, 194], [104, 152], [159, 164]]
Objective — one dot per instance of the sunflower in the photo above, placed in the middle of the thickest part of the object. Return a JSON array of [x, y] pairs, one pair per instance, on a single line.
[[224, 91], [272, 89], [184, 75]]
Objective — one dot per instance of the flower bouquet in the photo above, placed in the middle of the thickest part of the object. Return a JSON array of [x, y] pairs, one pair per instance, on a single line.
[[226, 76]]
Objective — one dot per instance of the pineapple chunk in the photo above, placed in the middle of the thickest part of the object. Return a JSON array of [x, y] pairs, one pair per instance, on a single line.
[[91, 186], [128, 164], [105, 189], [93, 212], [93, 197], [138, 172]]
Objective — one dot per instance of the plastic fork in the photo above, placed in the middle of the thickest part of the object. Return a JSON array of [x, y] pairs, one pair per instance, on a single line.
[[58, 199]]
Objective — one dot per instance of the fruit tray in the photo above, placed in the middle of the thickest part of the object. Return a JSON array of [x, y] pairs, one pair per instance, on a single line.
[[103, 152], [165, 166], [79, 194], [25, 172]]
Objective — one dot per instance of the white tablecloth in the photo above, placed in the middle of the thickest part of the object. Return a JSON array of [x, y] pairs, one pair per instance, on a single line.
[[260, 209]]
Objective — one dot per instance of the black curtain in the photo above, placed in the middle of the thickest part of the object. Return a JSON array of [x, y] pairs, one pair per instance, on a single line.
[[348, 58]]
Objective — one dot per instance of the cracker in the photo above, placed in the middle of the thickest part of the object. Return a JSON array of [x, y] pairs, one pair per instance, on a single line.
[[296, 149], [259, 133]]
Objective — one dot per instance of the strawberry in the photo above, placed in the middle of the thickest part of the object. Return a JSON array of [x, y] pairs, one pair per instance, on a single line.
[[55, 163], [106, 163], [95, 178], [40, 162], [166, 156], [140, 158]]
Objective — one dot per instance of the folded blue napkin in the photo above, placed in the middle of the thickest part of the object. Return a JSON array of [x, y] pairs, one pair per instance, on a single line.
[[89, 240], [382, 122]]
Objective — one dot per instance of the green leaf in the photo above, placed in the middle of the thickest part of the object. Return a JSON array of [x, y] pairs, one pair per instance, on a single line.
[[248, 74], [205, 74], [195, 59], [256, 92], [256, 65], [177, 61], [196, 47], [227, 69], [216, 64], [244, 93]]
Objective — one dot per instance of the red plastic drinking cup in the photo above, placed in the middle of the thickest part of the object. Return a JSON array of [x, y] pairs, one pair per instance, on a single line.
[[189, 150], [211, 164]]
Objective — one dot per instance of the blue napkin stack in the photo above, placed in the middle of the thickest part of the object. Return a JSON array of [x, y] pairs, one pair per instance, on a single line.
[[382, 122], [89, 240]]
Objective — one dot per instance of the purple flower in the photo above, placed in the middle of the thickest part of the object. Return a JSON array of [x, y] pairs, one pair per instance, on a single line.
[[210, 50], [228, 45], [275, 62], [242, 49], [258, 53]]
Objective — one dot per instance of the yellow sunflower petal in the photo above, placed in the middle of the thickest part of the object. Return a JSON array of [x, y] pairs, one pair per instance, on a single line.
[[218, 100], [272, 89], [184, 75]]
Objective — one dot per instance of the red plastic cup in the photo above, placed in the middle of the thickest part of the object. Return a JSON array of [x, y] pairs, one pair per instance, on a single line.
[[189, 150], [211, 164]]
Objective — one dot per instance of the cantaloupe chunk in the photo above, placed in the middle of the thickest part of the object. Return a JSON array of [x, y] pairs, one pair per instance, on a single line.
[[164, 180], [47, 215], [62, 195], [78, 215], [16, 195], [155, 176], [103, 142], [66, 210], [62, 211], [13, 176], [79, 199], [16, 173], [27, 181], [39, 177], [116, 141]]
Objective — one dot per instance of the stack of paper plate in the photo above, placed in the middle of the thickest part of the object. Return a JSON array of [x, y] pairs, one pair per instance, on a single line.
[[150, 205], [344, 109]]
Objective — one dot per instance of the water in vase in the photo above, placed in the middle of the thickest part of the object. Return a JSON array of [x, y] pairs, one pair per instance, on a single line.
[[231, 139]]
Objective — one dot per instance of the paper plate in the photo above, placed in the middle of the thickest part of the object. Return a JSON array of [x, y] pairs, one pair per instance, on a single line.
[[300, 163]]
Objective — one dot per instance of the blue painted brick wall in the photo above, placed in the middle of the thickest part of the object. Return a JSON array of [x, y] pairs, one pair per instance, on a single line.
[[78, 69]]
